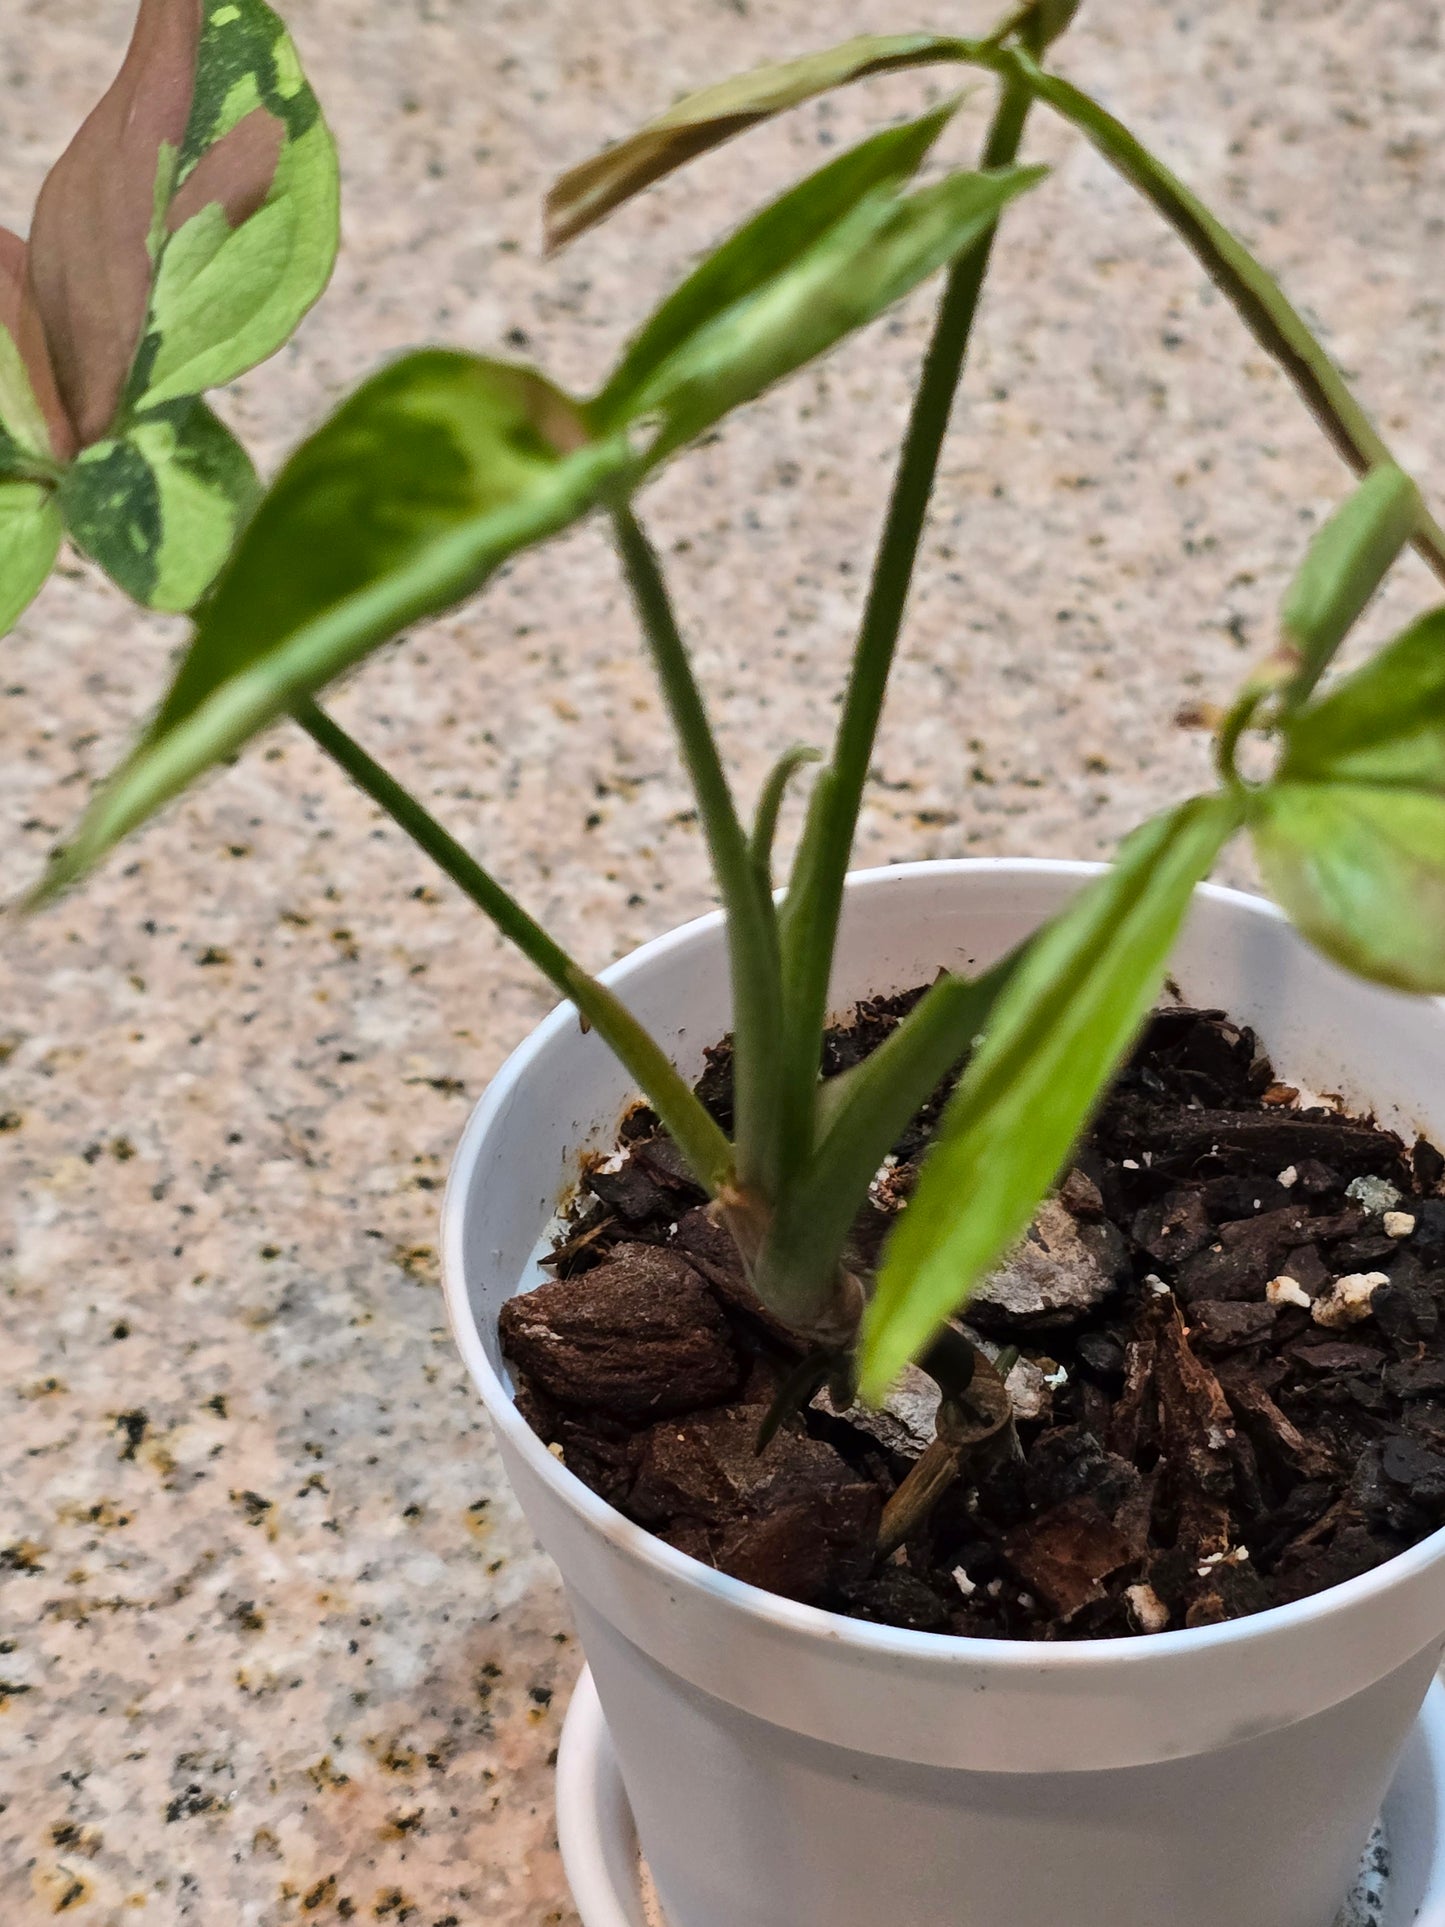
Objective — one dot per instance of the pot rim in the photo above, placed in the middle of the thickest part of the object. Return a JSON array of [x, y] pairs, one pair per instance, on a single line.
[[865, 1638]]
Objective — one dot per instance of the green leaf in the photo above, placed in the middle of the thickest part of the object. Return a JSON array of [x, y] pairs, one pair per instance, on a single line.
[[765, 246], [1346, 562], [1351, 834], [770, 803], [422, 483], [160, 508], [193, 219], [23, 434], [1057, 1034], [820, 263], [1361, 870], [704, 120], [1256, 296], [859, 1116], [30, 532], [1383, 724]]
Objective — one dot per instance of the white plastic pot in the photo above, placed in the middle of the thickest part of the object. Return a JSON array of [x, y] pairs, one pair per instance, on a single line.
[[790, 1768], [1400, 1881]]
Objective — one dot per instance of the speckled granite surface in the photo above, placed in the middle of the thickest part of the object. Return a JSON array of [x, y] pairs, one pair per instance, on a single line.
[[276, 1646]]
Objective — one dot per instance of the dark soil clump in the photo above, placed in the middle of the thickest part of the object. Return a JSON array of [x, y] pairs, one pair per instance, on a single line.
[[1230, 1390]]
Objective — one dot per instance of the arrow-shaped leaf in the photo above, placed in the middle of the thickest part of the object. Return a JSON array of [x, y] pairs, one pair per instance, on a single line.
[[253, 229], [1056, 1035], [822, 261], [423, 482], [90, 242], [191, 221], [1351, 834], [1346, 562], [764, 247], [705, 119]]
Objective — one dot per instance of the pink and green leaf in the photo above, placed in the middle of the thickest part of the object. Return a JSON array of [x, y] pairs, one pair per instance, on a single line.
[[254, 223], [190, 223], [90, 254]]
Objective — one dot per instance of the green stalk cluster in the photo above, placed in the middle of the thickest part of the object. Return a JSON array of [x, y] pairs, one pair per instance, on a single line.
[[357, 539]]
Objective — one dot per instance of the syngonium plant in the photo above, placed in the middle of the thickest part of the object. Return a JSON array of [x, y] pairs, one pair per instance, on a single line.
[[444, 465]]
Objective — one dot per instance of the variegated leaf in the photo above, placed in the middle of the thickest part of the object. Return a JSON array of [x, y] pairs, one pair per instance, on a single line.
[[425, 481], [253, 228], [160, 507], [30, 532], [91, 263], [704, 120], [193, 219]]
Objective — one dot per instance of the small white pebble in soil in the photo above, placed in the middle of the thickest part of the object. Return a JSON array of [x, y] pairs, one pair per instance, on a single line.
[[1348, 1300], [1130, 1164], [1235, 1556], [1056, 1378], [1377, 1195], [1288, 1178], [1156, 1284], [1285, 1290], [963, 1582], [1148, 1610], [1398, 1224], [883, 1190]]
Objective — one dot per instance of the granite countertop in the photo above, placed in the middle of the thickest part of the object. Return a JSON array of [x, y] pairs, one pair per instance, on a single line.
[[274, 1643]]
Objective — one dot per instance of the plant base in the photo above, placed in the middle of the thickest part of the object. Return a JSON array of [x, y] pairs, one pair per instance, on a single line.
[[1401, 1881]]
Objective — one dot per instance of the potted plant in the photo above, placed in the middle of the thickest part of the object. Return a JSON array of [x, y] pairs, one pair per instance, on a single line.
[[1218, 1748]]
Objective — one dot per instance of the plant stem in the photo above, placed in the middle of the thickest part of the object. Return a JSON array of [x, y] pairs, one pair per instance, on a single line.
[[751, 925], [770, 803], [810, 915], [966, 1422], [698, 1137], [810, 1231]]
